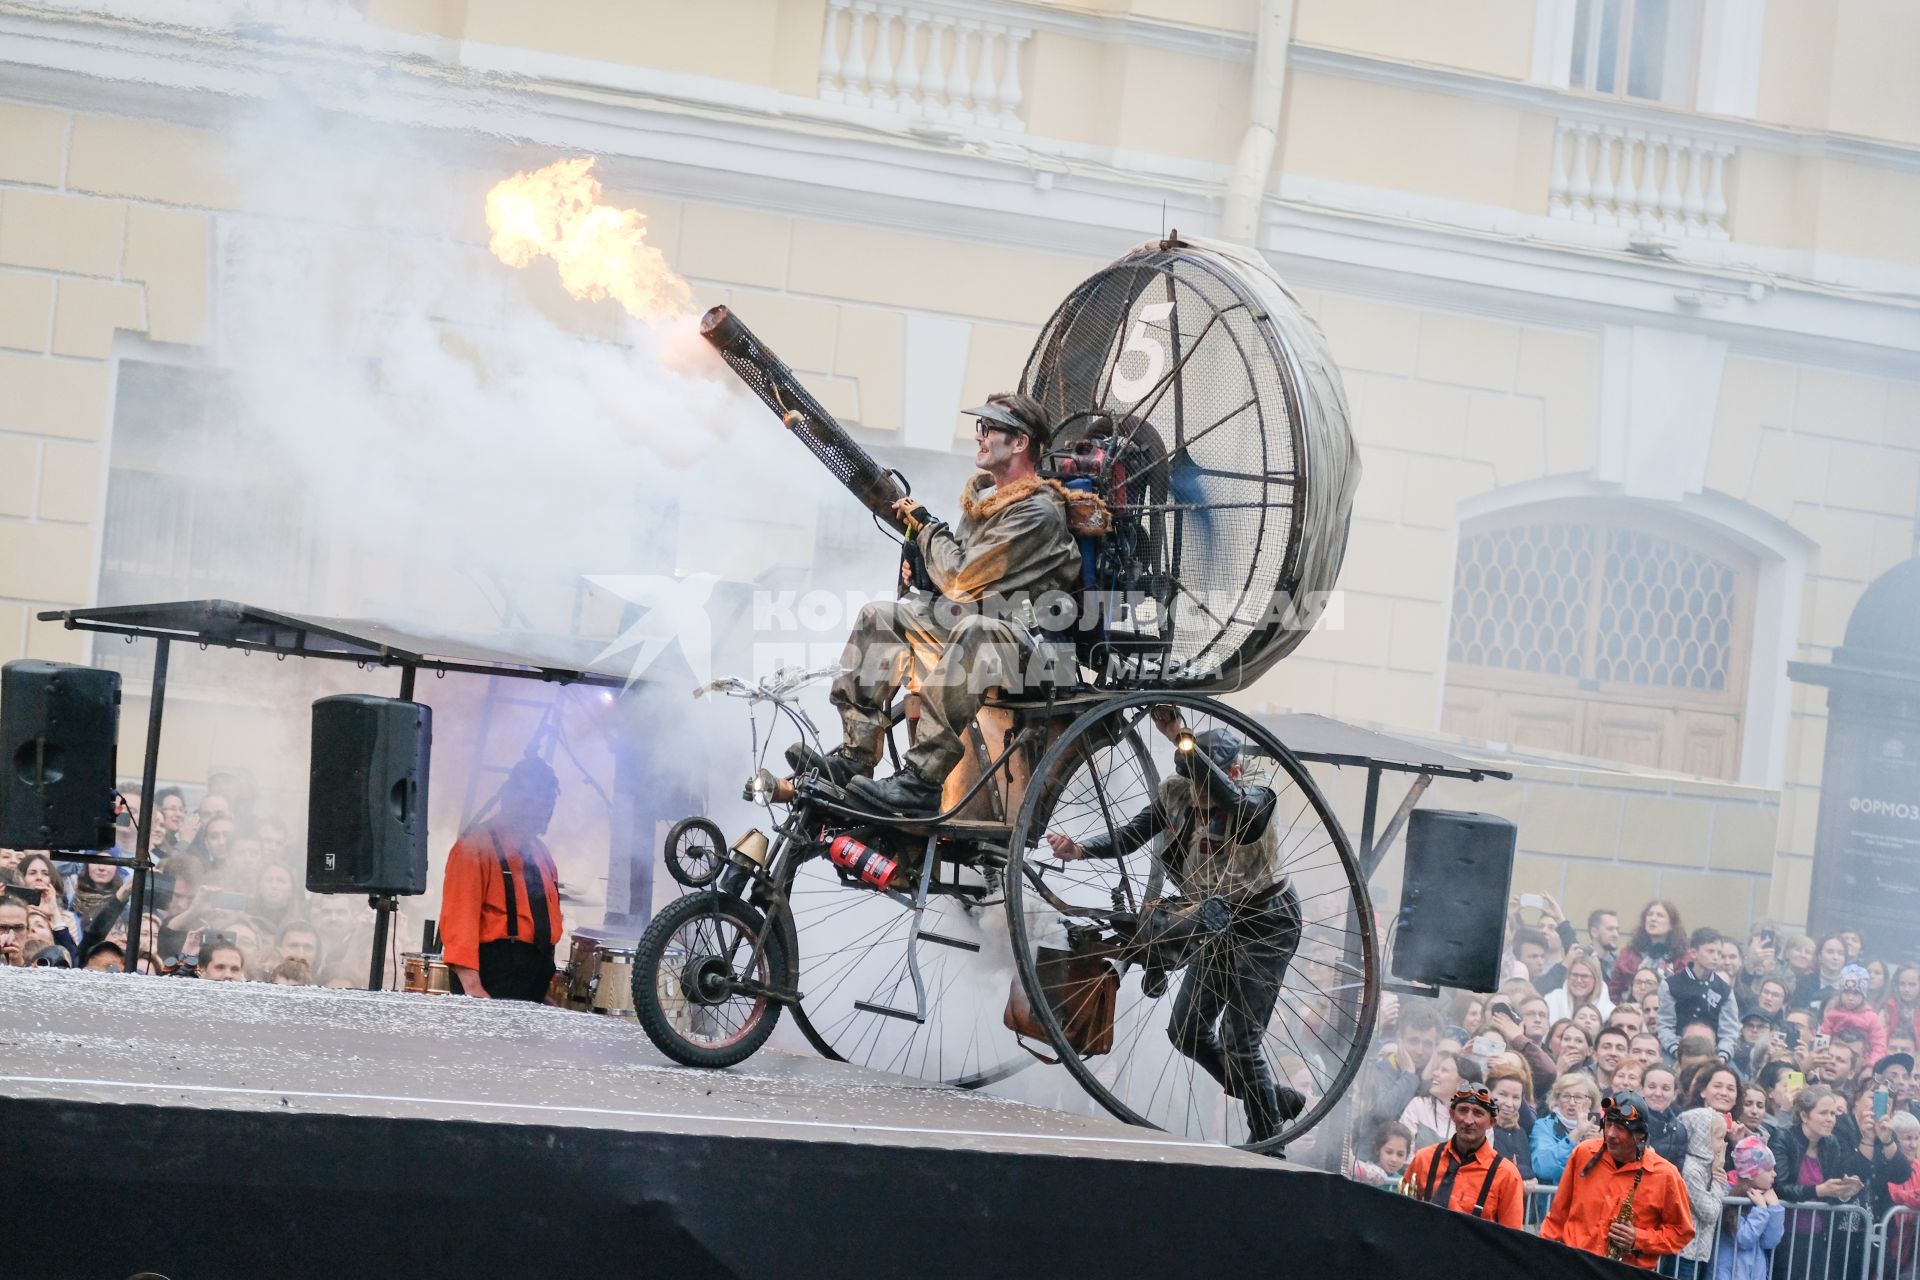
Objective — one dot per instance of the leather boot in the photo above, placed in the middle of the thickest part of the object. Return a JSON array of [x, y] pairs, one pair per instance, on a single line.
[[1270, 1106], [838, 766], [905, 793]]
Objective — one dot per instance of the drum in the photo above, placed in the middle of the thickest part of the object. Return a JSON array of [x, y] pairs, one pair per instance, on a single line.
[[579, 972], [611, 990], [437, 979], [413, 973]]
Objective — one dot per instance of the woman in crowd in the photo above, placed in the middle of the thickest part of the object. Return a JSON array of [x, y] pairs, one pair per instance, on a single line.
[[1658, 943], [1660, 1086], [1748, 1235], [1901, 1011], [1582, 985], [1627, 1077], [98, 889], [1877, 975], [1753, 1113], [273, 896], [1902, 1238], [1811, 1164], [1777, 1078], [1430, 1116], [1574, 1103], [1469, 1013], [1876, 1144], [1573, 1050], [1704, 1168], [1815, 985], [1588, 1019], [39, 875], [1385, 1154], [1512, 1117]]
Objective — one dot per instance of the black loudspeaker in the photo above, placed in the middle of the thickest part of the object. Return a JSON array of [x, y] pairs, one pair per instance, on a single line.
[[1453, 903], [60, 730], [367, 796]]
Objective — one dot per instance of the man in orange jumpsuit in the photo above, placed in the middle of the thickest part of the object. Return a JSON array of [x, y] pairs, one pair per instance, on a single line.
[[500, 907], [1602, 1174], [1465, 1173]]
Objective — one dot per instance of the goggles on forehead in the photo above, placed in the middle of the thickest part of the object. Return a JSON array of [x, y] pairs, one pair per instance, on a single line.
[[1623, 1111], [1473, 1092]]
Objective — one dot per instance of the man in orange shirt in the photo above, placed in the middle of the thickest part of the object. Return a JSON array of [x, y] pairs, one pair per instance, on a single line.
[[1465, 1173], [1602, 1173], [500, 907]]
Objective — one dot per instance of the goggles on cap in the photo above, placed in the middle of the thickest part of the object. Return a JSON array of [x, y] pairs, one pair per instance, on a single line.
[[1623, 1111], [1474, 1092]]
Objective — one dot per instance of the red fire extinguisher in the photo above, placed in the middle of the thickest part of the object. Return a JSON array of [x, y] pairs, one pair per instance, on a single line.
[[872, 866]]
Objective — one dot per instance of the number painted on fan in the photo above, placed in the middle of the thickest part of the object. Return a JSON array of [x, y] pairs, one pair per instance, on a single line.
[[1132, 388]]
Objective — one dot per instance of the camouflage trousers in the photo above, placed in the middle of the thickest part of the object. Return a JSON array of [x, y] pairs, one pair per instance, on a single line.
[[948, 654]]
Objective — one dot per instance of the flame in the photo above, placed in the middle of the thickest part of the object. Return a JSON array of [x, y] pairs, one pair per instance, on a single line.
[[602, 252]]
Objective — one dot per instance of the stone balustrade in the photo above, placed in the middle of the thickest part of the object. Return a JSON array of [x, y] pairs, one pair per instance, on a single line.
[[923, 62], [1646, 180]]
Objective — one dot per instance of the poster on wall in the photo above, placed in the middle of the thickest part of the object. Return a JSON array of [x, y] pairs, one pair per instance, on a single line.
[[1866, 873]]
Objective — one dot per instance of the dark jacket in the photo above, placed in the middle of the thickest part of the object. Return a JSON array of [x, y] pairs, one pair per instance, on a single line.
[[1685, 998], [1837, 1160]]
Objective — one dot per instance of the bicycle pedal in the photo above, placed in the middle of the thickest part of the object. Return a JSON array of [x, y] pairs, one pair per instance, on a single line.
[[885, 1011], [943, 940]]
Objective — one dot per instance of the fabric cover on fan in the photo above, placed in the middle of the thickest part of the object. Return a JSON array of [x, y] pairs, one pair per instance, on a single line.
[[1198, 352]]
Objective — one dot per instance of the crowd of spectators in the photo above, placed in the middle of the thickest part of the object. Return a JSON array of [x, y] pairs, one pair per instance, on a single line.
[[1776, 1050], [226, 899]]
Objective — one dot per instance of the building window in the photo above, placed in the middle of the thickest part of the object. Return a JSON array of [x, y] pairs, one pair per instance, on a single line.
[[1645, 49], [1613, 636], [196, 507]]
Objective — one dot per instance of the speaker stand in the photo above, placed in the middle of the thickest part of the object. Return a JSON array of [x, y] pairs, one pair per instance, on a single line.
[[384, 905]]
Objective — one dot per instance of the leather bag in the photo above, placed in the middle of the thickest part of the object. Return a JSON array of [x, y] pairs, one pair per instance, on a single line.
[[1082, 991]]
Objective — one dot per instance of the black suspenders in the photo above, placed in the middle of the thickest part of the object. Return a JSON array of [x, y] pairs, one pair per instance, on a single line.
[[506, 880], [1486, 1184]]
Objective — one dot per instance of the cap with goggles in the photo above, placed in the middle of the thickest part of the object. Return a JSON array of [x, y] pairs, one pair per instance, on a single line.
[[1473, 1093], [1626, 1109]]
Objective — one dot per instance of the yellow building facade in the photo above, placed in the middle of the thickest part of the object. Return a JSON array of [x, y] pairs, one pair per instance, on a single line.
[[1623, 292]]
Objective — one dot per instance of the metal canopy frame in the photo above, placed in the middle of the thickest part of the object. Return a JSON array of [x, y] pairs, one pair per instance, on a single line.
[[226, 624], [1324, 740]]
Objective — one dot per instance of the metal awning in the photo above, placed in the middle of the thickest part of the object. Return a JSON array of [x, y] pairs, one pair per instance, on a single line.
[[226, 624], [230, 625], [1328, 741], [1324, 740]]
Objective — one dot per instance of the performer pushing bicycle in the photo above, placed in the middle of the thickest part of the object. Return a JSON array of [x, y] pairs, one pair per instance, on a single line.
[[1221, 850]]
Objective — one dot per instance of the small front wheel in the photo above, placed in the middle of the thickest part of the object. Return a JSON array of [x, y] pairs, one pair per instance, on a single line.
[[695, 852], [702, 978]]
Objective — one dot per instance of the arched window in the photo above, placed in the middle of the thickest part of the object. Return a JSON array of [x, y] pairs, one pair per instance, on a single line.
[[1601, 631]]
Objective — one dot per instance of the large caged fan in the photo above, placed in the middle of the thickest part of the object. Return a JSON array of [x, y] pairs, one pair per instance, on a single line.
[[1199, 398]]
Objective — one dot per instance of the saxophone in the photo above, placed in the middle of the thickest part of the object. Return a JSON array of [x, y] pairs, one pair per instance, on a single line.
[[1619, 1252]]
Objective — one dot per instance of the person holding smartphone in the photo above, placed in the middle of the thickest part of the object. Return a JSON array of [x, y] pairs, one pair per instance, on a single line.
[[1812, 1164]]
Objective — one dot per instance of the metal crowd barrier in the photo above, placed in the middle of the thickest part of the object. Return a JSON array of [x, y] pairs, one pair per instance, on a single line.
[[1899, 1246], [1819, 1242]]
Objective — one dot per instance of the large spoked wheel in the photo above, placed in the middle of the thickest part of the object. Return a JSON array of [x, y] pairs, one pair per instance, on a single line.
[[853, 947], [699, 986], [1255, 974]]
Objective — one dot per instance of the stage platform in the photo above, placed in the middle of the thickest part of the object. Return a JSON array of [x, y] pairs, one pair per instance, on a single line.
[[197, 1129]]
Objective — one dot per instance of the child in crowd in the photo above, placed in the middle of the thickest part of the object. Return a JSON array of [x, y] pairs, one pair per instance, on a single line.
[[1848, 1011], [1748, 1234], [1388, 1149]]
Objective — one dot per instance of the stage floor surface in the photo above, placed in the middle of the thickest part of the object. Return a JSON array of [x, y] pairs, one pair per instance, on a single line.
[[251, 1047]]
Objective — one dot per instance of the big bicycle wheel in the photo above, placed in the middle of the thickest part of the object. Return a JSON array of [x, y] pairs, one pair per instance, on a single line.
[[853, 946], [852, 959], [700, 984], [1273, 987]]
